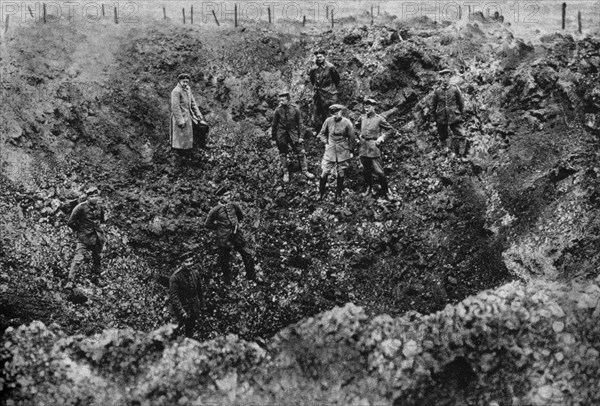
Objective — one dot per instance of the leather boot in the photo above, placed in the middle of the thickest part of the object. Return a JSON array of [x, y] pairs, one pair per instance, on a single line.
[[322, 187], [284, 168], [369, 183], [339, 188], [304, 167], [384, 187]]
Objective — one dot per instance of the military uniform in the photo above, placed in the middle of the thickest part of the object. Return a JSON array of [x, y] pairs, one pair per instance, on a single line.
[[371, 126], [225, 218], [286, 132], [448, 106], [325, 79], [185, 293], [86, 220], [338, 136]]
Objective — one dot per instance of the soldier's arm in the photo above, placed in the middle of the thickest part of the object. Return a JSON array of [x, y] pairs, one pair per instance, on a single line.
[[351, 137], [311, 75], [174, 289], [102, 215], [195, 108], [434, 103], [275, 125], [460, 101], [387, 127], [210, 219], [238, 211], [324, 133], [176, 108], [73, 221], [335, 76]]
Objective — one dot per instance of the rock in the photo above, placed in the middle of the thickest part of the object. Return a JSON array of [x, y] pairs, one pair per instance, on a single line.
[[77, 296]]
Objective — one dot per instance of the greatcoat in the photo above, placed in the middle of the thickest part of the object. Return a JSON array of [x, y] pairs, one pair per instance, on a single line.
[[184, 110]]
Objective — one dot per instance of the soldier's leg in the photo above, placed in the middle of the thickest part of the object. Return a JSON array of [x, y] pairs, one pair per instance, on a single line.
[[341, 175], [442, 129], [301, 156], [97, 259], [242, 247], [223, 260], [190, 324], [77, 259], [458, 134], [284, 166], [368, 174], [326, 167], [379, 172]]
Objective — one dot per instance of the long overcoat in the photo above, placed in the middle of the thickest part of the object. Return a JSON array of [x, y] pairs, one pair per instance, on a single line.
[[184, 110], [339, 139], [447, 104]]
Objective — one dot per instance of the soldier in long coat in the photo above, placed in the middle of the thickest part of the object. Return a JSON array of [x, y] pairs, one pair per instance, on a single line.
[[225, 218], [325, 79], [337, 134], [371, 126], [185, 294], [86, 220], [184, 114], [286, 132], [448, 107]]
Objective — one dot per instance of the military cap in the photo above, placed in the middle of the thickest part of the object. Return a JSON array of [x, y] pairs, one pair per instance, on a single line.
[[222, 190], [182, 76], [334, 108], [445, 71], [284, 94], [370, 101], [320, 52]]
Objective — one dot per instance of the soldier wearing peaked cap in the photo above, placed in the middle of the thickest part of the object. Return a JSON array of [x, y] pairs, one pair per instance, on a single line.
[[447, 107], [185, 294], [225, 218], [338, 136], [371, 126], [286, 131], [186, 117], [325, 79]]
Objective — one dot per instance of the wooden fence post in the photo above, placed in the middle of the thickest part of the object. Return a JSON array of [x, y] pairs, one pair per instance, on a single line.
[[269, 11], [331, 18], [326, 13], [235, 20], [579, 28], [6, 26], [378, 10], [103, 13], [192, 14], [564, 14], [459, 12], [30, 12], [183, 14], [44, 12], [164, 13], [371, 14], [215, 16], [116, 17], [304, 21]]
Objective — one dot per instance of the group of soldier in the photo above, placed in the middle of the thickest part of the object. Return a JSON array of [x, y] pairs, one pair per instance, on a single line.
[[334, 130]]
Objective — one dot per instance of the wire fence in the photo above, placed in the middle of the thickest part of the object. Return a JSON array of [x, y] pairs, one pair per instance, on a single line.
[[552, 15]]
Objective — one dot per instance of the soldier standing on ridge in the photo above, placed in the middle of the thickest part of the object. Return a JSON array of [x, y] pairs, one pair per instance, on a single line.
[[337, 134], [225, 218], [186, 118], [325, 79], [86, 220], [370, 138], [448, 107], [185, 293], [286, 132]]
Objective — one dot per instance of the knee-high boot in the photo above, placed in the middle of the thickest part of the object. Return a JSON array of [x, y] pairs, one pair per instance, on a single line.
[[322, 186], [339, 188]]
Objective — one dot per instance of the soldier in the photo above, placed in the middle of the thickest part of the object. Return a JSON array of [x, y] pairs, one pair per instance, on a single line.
[[448, 106], [185, 293], [186, 118], [337, 134], [286, 132], [86, 220], [225, 218], [370, 138], [325, 79]]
